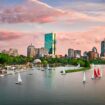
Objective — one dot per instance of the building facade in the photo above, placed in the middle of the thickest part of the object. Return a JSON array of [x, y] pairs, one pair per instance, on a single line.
[[93, 54], [103, 48], [41, 52], [31, 51], [50, 43], [11, 51], [77, 53], [71, 53]]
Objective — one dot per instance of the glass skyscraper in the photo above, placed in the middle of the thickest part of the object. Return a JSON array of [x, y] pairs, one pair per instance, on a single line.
[[50, 43], [103, 48]]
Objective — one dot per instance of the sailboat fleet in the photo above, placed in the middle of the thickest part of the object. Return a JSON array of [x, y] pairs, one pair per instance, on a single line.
[[96, 74]]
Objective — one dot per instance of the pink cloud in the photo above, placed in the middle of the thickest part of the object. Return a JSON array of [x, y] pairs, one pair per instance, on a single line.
[[30, 11], [81, 40], [5, 35], [39, 12]]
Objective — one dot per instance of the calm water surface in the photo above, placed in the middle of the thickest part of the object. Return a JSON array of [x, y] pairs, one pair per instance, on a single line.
[[51, 88]]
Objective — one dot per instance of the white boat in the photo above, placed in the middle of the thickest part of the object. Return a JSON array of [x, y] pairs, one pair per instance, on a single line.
[[19, 79], [78, 66], [48, 68], [1, 75], [84, 77]]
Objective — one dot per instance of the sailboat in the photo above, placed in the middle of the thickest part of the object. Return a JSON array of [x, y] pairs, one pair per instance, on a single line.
[[19, 79], [98, 72], [48, 68], [84, 77], [95, 73]]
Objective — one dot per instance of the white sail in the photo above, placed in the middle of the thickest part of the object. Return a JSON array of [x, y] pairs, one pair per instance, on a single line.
[[19, 78], [64, 71], [84, 77], [78, 66]]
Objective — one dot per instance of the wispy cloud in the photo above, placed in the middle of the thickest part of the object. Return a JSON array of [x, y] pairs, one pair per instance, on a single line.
[[39, 12]]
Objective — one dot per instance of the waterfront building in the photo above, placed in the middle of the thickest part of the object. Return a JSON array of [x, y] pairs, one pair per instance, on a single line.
[[50, 43], [77, 53], [85, 55], [31, 51], [103, 48], [41, 52], [11, 51], [71, 53], [4, 51], [93, 54]]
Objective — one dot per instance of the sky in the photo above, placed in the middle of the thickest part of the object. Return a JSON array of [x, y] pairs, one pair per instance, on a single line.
[[79, 24]]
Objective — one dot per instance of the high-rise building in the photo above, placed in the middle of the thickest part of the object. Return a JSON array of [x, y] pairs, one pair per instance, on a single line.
[[103, 48], [77, 53], [50, 43], [71, 53], [93, 54], [31, 51]]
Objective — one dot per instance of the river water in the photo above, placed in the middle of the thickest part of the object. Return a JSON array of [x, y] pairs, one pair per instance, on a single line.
[[49, 87]]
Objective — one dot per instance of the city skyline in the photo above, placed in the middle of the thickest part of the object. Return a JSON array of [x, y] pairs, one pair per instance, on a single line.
[[77, 24]]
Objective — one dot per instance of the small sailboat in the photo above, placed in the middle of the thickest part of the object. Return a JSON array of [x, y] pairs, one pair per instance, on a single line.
[[84, 77], [92, 76], [95, 73], [48, 68], [19, 79], [98, 72]]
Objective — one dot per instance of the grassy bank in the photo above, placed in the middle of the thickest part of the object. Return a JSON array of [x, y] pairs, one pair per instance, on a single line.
[[77, 70]]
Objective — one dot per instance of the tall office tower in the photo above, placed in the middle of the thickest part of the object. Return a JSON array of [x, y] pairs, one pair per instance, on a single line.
[[103, 48], [50, 43], [71, 53], [31, 51]]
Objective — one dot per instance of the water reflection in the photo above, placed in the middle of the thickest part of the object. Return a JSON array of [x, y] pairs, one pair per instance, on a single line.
[[49, 78], [49, 87]]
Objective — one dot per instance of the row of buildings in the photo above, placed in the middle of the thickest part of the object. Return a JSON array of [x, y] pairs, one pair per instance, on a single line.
[[89, 55], [48, 49], [11, 51]]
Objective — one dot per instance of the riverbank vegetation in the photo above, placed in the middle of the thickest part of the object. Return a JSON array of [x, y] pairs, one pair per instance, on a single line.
[[98, 61], [65, 61], [77, 70], [6, 59]]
